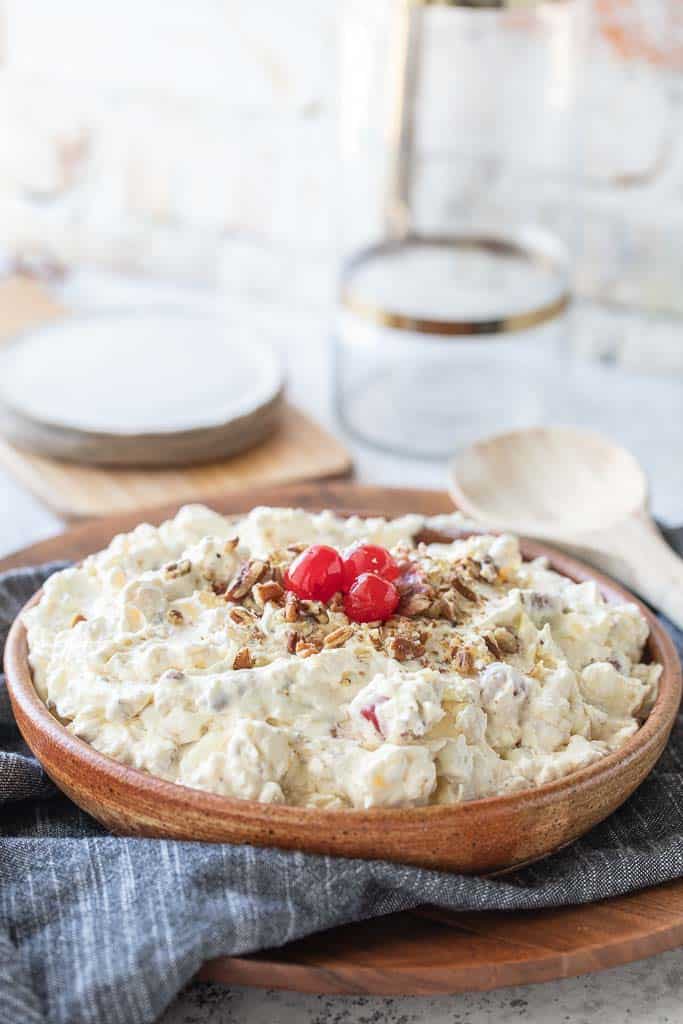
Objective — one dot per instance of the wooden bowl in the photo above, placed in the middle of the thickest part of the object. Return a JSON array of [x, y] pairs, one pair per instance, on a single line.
[[486, 835]]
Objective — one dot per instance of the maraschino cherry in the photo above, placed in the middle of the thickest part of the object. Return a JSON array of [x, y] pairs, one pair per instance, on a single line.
[[368, 558], [371, 598], [365, 576], [316, 574]]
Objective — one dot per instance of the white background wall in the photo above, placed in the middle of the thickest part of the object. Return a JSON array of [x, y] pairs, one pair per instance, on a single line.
[[195, 139], [187, 139]]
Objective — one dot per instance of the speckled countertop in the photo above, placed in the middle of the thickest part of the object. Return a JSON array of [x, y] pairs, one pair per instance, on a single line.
[[649, 991]]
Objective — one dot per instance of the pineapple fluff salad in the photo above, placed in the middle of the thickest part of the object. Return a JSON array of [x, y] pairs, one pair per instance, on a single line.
[[178, 651]]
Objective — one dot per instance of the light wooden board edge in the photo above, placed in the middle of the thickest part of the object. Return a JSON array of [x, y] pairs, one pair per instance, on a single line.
[[78, 492]]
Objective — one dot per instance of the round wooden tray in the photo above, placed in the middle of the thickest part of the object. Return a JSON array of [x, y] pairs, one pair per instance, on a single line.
[[423, 952]]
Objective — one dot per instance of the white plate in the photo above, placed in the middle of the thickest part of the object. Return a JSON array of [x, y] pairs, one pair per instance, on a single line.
[[104, 388]]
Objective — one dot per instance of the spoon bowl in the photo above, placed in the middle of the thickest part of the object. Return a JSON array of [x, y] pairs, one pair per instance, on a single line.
[[578, 490]]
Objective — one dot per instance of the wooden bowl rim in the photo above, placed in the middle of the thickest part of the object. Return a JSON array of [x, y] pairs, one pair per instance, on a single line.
[[136, 782]]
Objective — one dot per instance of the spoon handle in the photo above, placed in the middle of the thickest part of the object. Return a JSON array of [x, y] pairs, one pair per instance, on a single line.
[[636, 553]]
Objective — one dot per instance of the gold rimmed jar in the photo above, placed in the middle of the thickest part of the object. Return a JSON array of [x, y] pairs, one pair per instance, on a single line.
[[457, 151]]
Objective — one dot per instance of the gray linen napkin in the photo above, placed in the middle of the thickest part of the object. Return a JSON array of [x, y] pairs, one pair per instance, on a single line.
[[99, 929]]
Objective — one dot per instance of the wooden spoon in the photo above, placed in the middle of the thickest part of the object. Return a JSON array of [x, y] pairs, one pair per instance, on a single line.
[[579, 491]]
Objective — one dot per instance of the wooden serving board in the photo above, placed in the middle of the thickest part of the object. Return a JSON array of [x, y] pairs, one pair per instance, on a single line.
[[299, 450], [422, 952]]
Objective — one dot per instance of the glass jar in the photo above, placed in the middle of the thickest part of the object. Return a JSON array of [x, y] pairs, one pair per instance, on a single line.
[[457, 141]]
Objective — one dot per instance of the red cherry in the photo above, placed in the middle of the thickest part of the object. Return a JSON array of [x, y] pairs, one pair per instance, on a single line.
[[370, 715], [368, 558], [316, 574], [370, 597]]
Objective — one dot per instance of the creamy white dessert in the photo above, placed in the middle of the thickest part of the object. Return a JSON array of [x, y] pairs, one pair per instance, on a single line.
[[179, 651]]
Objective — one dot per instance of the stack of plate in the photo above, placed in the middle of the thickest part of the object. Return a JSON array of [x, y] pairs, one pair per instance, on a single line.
[[139, 389]]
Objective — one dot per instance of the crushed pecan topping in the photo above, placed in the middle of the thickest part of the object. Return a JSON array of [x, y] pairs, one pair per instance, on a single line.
[[415, 604], [463, 589], [338, 637], [243, 659], [250, 573], [437, 609], [230, 545], [336, 602], [305, 649], [375, 635], [78, 618], [291, 607], [265, 592], [292, 640], [175, 569], [296, 549], [493, 647], [447, 607], [175, 616], [404, 648], [314, 611], [241, 616], [473, 568]]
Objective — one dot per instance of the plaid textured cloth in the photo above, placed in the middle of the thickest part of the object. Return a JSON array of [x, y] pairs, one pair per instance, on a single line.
[[99, 929]]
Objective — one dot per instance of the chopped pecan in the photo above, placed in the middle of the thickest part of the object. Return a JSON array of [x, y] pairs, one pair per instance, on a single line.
[[250, 573], [292, 640], [375, 635], [403, 648], [240, 616], [175, 616], [78, 618], [291, 606], [459, 584], [493, 647], [338, 637], [336, 603], [415, 604], [449, 607], [175, 569], [296, 549], [314, 611], [305, 649], [436, 609], [473, 568], [243, 659], [230, 545], [265, 592]]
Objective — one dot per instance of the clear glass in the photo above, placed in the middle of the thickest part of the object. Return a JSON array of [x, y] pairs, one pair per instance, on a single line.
[[458, 149]]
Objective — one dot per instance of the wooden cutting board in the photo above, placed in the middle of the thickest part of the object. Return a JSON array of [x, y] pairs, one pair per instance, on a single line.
[[423, 952], [299, 450]]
